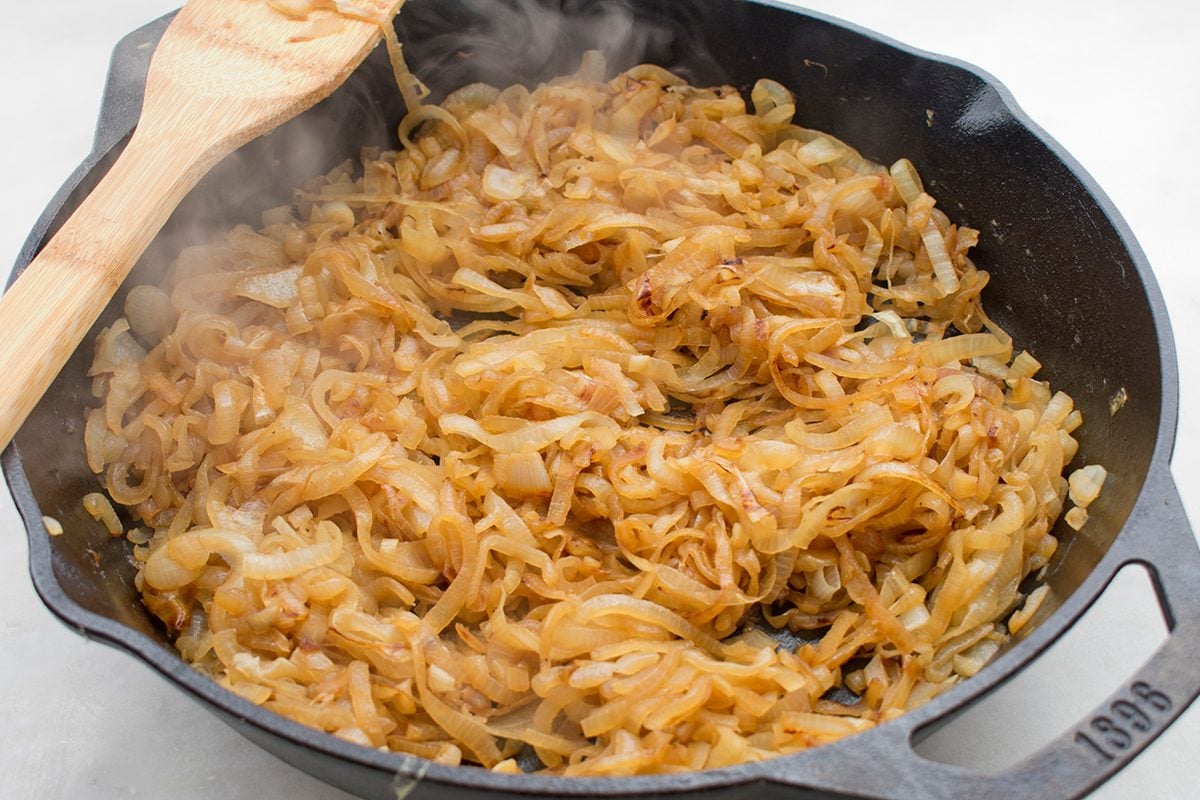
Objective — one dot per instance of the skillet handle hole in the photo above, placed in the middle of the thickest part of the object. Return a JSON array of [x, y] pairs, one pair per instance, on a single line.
[[1063, 686]]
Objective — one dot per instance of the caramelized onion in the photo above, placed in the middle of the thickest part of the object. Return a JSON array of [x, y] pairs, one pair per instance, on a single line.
[[502, 440]]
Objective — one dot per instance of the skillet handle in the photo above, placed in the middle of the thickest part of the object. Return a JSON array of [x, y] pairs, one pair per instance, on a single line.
[[1157, 536], [1127, 721]]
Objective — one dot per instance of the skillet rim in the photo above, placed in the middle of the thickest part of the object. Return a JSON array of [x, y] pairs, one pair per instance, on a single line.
[[116, 120]]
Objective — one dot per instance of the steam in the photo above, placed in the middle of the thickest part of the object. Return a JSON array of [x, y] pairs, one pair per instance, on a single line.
[[267, 172], [447, 45], [502, 42]]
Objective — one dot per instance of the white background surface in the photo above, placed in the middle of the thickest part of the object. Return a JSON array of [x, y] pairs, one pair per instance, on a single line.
[[1115, 82]]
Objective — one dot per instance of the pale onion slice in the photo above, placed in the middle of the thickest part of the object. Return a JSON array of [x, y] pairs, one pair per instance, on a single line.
[[1085, 484]]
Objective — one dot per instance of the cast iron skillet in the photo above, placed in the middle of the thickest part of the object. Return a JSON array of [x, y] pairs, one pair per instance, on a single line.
[[1069, 282]]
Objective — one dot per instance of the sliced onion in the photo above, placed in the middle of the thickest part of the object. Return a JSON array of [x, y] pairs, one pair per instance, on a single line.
[[908, 182], [943, 268], [1085, 484], [504, 438]]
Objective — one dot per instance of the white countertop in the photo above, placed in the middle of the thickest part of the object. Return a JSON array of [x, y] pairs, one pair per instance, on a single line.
[[1114, 82]]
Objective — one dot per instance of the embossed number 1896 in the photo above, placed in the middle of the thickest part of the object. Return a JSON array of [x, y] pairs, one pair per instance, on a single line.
[[1110, 735]]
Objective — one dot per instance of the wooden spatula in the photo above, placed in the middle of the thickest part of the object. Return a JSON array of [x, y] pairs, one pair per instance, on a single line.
[[225, 72]]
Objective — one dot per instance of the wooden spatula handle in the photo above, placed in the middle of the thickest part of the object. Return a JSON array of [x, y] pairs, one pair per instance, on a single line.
[[52, 305]]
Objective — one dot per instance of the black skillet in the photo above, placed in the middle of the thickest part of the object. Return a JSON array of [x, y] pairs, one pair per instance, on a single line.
[[1069, 282]]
